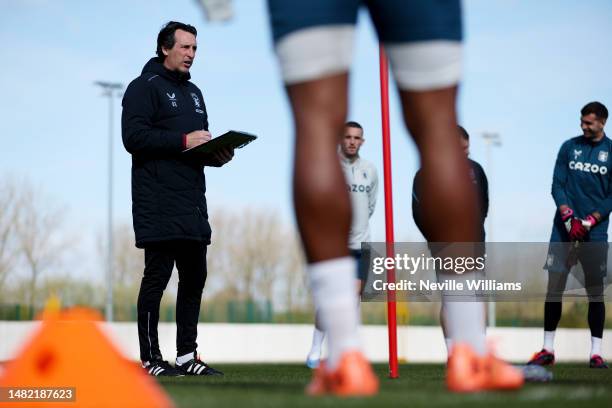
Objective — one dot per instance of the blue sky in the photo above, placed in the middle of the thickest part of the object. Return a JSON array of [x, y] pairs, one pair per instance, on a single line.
[[529, 68]]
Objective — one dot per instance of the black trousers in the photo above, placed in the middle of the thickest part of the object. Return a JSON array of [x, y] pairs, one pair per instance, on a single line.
[[160, 257], [593, 258], [553, 308]]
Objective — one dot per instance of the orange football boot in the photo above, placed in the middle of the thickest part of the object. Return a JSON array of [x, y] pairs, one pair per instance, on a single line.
[[468, 372], [465, 371], [352, 378], [318, 384], [501, 375]]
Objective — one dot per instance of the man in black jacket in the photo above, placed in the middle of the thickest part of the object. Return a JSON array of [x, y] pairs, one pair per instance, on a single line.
[[164, 114]]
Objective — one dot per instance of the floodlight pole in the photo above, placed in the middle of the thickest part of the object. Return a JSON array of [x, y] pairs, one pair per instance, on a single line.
[[491, 139], [389, 236], [110, 90]]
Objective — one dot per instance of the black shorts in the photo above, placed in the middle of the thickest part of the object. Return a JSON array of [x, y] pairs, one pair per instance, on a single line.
[[362, 257]]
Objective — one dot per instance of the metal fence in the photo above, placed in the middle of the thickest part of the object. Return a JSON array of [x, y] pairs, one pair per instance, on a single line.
[[416, 314]]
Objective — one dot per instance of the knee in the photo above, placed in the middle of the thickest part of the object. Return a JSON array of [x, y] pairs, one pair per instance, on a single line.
[[193, 286], [155, 281]]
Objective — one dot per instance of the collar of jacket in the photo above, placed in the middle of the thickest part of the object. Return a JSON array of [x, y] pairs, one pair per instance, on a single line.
[[155, 66], [346, 160]]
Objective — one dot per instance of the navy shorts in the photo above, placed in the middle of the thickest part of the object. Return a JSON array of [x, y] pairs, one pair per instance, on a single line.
[[362, 263], [422, 38], [586, 261], [563, 255]]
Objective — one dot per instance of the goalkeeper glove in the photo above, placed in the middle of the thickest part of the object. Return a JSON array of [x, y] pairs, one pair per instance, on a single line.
[[589, 222], [574, 227], [567, 216], [577, 231]]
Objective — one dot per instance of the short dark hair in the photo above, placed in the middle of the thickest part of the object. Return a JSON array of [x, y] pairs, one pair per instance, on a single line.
[[463, 133], [353, 124], [597, 108], [165, 38]]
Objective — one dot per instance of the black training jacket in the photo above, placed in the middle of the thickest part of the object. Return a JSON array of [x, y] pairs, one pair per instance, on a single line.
[[478, 177], [168, 200]]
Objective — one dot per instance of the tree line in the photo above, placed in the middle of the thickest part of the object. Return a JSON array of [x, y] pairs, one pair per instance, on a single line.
[[253, 256]]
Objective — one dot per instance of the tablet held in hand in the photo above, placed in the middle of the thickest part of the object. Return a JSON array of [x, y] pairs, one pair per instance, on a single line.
[[232, 139]]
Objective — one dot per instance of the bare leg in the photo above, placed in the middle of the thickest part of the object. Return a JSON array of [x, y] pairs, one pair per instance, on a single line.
[[320, 196], [323, 209], [449, 197], [360, 286]]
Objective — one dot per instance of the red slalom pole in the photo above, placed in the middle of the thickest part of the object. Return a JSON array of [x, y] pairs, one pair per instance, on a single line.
[[389, 236]]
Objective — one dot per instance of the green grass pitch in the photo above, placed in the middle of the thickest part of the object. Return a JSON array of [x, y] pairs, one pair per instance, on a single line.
[[419, 385]]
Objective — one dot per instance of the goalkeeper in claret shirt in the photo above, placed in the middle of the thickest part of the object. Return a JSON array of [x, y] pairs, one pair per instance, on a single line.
[[582, 190]]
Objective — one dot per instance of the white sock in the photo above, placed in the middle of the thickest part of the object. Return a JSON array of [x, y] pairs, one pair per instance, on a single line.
[[449, 344], [465, 319], [180, 360], [466, 324], [549, 341], [595, 346], [317, 344], [333, 289]]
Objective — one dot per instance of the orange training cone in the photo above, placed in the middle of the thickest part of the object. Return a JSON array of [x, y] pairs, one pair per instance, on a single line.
[[67, 352]]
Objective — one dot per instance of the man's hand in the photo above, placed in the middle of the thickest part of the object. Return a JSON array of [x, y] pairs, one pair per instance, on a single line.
[[196, 138], [224, 155], [574, 226], [219, 158], [577, 230], [590, 221], [567, 215]]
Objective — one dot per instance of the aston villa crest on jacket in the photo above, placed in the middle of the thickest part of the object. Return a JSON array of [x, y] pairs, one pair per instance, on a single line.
[[168, 190], [603, 156], [582, 180]]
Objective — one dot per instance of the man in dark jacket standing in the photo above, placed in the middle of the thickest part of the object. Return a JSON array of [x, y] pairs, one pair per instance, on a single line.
[[164, 114]]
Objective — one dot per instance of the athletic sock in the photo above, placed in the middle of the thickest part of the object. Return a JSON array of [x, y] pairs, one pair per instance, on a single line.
[[180, 360], [549, 341], [317, 344], [333, 288], [465, 320], [595, 346], [466, 324]]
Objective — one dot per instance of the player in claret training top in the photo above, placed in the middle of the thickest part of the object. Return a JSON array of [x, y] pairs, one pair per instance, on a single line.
[[582, 190]]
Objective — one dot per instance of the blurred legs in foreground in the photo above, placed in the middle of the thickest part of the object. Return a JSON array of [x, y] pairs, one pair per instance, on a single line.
[[313, 41]]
